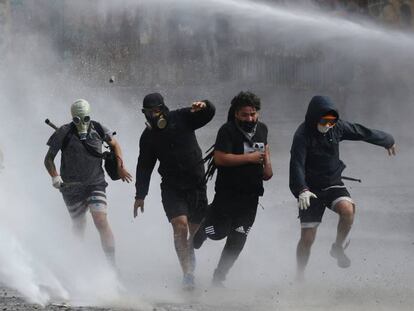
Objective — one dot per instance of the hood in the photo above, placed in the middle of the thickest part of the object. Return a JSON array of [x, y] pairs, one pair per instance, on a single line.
[[318, 107]]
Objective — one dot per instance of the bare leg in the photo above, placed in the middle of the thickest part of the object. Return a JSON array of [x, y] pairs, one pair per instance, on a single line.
[[105, 233], [307, 237], [346, 212], [79, 226], [180, 228]]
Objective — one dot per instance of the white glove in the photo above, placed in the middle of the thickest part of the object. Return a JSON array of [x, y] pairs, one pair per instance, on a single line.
[[57, 182], [304, 199]]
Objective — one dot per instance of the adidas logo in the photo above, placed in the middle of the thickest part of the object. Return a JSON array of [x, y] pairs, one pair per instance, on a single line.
[[240, 230], [210, 230]]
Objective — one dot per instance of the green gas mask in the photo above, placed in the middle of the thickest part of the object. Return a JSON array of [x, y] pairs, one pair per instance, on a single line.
[[80, 111]]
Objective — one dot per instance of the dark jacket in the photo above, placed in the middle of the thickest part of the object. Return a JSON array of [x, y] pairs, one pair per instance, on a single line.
[[314, 161], [176, 147]]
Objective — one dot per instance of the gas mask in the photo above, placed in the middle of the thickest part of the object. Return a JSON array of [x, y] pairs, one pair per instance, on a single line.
[[155, 118], [247, 126], [155, 111], [80, 111]]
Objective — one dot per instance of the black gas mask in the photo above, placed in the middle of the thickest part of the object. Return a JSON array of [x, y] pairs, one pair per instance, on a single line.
[[155, 111]]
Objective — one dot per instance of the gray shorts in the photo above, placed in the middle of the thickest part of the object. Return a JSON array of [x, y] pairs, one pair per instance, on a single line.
[[94, 202]]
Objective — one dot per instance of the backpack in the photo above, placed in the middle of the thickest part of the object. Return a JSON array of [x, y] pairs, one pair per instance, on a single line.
[[109, 157]]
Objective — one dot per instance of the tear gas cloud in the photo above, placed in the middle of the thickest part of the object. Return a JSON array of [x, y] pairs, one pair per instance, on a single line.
[[195, 50]]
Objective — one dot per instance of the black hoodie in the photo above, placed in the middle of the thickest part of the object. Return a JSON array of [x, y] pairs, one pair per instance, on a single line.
[[176, 147], [314, 161]]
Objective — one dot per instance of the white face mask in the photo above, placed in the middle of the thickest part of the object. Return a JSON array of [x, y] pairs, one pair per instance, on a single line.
[[324, 128], [80, 111]]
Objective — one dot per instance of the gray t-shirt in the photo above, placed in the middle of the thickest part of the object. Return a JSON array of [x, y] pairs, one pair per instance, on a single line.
[[77, 164]]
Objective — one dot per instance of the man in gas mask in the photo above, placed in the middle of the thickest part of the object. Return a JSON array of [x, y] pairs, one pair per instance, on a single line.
[[81, 180], [242, 157], [170, 138], [315, 175]]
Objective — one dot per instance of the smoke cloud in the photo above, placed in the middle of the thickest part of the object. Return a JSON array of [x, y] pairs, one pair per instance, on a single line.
[[191, 50]]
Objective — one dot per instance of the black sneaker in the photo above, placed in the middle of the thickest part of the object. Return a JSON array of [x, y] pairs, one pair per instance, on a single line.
[[337, 252], [188, 282], [199, 237]]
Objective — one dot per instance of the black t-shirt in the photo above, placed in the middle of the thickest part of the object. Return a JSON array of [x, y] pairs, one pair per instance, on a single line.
[[248, 178]]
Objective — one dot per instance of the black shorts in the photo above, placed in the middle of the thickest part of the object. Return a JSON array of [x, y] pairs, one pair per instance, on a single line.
[[191, 203], [228, 212], [327, 198]]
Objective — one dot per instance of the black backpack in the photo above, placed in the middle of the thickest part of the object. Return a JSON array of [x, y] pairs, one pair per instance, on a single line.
[[109, 157]]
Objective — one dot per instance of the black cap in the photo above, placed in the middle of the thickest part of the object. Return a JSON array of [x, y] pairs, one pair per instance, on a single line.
[[153, 100]]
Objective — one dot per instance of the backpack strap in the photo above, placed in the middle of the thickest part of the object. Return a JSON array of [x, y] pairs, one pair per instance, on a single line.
[[68, 136], [98, 127], [72, 131]]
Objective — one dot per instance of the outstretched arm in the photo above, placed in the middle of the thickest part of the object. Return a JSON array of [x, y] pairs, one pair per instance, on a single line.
[[355, 131], [123, 173]]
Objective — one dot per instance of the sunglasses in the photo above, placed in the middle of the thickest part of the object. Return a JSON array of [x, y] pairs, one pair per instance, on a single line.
[[77, 119], [328, 122]]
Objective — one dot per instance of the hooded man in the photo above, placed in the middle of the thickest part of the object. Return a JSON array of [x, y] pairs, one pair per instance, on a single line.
[[170, 139], [315, 175], [82, 180], [242, 157]]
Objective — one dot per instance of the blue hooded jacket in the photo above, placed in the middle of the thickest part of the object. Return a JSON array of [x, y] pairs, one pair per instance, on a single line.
[[314, 157]]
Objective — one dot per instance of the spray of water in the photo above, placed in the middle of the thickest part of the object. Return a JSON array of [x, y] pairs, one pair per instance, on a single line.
[[42, 260]]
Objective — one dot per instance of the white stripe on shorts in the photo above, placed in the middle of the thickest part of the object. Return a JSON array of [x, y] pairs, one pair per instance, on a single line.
[[334, 202], [77, 209], [209, 230], [309, 224]]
